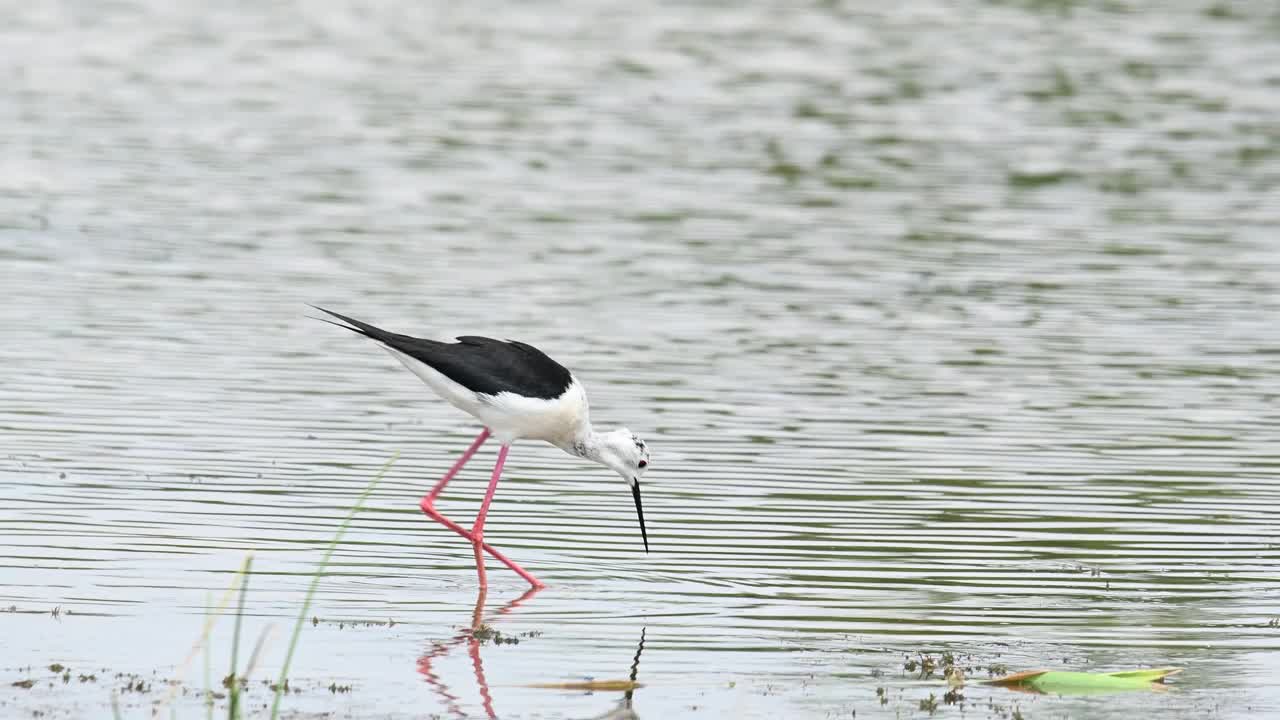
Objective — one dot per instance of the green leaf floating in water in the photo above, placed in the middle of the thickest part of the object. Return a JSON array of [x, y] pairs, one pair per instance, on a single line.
[[1062, 682]]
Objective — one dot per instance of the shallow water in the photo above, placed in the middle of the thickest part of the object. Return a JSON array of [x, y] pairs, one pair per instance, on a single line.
[[951, 327]]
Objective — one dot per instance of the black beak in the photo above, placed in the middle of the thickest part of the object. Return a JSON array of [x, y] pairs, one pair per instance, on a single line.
[[635, 493]]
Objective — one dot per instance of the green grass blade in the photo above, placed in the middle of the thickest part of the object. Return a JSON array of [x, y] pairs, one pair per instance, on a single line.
[[233, 689], [257, 650], [208, 665], [315, 580], [211, 615]]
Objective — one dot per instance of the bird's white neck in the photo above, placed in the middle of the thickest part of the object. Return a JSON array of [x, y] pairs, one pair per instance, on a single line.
[[618, 450], [585, 443]]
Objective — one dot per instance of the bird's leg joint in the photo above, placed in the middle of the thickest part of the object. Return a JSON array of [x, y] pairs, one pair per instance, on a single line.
[[429, 508]]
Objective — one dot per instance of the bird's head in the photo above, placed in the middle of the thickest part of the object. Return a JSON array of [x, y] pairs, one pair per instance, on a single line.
[[627, 455], [624, 454]]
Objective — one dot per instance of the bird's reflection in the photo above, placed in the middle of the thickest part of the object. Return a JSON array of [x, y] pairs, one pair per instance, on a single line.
[[472, 636], [624, 711]]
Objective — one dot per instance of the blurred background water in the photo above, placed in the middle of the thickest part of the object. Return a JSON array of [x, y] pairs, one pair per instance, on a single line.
[[951, 326]]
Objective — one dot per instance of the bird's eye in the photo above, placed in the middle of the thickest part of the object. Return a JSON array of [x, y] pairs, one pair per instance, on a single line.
[[644, 463]]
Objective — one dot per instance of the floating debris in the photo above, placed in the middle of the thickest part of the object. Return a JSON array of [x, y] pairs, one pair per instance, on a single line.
[[1063, 682], [486, 633], [591, 685]]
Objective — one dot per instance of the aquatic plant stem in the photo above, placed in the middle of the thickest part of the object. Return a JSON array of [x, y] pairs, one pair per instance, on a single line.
[[211, 614], [208, 666], [233, 689], [315, 580]]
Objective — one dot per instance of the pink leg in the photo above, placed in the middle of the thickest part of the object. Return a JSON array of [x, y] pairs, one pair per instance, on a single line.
[[428, 506], [477, 530], [439, 487]]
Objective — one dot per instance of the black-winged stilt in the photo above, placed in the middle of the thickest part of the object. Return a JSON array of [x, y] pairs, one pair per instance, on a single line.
[[516, 391]]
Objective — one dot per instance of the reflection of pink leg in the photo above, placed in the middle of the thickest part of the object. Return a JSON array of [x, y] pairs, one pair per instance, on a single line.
[[468, 636], [432, 679], [428, 506], [473, 649]]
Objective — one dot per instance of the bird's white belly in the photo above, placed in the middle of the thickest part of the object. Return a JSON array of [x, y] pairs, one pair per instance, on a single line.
[[507, 415], [513, 416]]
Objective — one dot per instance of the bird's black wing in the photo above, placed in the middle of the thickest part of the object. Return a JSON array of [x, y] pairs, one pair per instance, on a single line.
[[480, 364]]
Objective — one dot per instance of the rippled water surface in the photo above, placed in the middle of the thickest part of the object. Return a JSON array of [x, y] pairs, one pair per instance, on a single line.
[[952, 327]]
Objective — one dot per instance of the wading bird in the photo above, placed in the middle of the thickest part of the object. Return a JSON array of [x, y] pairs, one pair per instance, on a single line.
[[516, 392]]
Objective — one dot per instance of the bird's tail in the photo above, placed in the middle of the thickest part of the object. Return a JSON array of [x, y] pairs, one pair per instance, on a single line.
[[372, 332]]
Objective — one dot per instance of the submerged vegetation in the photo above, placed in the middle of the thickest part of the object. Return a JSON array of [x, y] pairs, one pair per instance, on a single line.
[[935, 680], [235, 683]]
